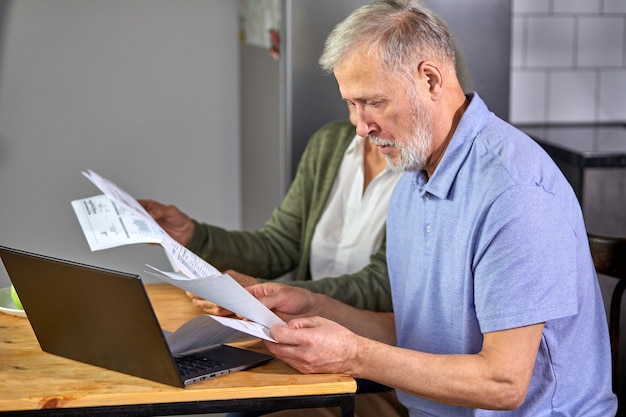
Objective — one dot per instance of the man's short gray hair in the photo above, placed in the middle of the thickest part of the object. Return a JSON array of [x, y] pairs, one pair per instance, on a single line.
[[400, 33]]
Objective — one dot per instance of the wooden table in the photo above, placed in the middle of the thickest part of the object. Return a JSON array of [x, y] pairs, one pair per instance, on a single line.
[[35, 383]]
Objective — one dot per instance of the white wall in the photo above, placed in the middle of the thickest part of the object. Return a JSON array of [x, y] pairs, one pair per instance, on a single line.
[[144, 92], [568, 62]]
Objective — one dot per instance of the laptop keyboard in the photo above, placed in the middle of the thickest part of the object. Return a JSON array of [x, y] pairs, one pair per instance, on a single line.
[[192, 365]]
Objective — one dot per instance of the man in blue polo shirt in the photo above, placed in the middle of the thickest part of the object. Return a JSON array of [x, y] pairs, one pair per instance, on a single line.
[[497, 308]]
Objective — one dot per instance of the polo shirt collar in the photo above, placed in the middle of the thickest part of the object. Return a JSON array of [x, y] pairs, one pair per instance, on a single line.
[[469, 127]]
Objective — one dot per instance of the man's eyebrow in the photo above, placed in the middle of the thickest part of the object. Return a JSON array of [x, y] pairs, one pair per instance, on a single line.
[[365, 99]]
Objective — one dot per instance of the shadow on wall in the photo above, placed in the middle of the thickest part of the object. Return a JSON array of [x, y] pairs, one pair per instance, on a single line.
[[5, 6]]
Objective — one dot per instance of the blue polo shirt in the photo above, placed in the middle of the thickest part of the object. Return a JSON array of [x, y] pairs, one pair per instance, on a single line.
[[495, 240]]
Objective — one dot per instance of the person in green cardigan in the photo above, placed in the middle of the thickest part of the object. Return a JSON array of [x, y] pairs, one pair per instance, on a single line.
[[338, 171]]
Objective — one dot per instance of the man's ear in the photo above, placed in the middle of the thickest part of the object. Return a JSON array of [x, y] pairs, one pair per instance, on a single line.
[[433, 75]]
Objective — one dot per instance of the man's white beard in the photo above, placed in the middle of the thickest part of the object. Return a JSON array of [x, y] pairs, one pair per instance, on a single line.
[[413, 154]]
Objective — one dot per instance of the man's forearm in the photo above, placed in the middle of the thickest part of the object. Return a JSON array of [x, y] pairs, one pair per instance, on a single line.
[[373, 325], [497, 377]]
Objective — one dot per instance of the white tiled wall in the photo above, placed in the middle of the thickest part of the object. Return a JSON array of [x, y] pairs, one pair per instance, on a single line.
[[568, 61]]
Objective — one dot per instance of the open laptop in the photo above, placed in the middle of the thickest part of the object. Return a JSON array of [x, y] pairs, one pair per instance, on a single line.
[[105, 318]]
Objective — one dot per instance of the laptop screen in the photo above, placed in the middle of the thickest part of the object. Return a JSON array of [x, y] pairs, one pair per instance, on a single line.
[[91, 314]]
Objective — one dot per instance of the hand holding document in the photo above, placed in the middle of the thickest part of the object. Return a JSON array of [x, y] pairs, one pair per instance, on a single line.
[[116, 219], [224, 291]]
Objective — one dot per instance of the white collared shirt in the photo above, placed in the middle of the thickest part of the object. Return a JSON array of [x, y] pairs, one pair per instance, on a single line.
[[352, 226]]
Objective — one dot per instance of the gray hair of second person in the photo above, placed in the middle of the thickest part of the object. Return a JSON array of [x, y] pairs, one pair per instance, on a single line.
[[400, 33]]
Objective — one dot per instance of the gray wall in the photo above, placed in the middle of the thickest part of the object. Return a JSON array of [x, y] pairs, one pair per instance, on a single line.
[[482, 30], [144, 92], [262, 156]]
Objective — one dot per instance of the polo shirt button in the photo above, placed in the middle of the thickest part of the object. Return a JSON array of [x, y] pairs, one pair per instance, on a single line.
[[428, 228], [427, 196]]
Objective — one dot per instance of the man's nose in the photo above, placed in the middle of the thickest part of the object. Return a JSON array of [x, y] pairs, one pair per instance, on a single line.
[[364, 125]]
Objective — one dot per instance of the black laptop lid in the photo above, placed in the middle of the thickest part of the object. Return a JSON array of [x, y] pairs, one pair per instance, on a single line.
[[90, 314]]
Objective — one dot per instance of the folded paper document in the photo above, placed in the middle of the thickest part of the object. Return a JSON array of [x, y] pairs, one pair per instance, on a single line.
[[107, 225], [116, 218]]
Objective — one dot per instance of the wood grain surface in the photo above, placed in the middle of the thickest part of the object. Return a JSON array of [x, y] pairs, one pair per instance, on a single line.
[[32, 379]]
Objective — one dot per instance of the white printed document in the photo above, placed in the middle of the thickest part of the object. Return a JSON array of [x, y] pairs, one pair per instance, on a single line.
[[224, 291], [125, 211], [107, 225], [116, 219]]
